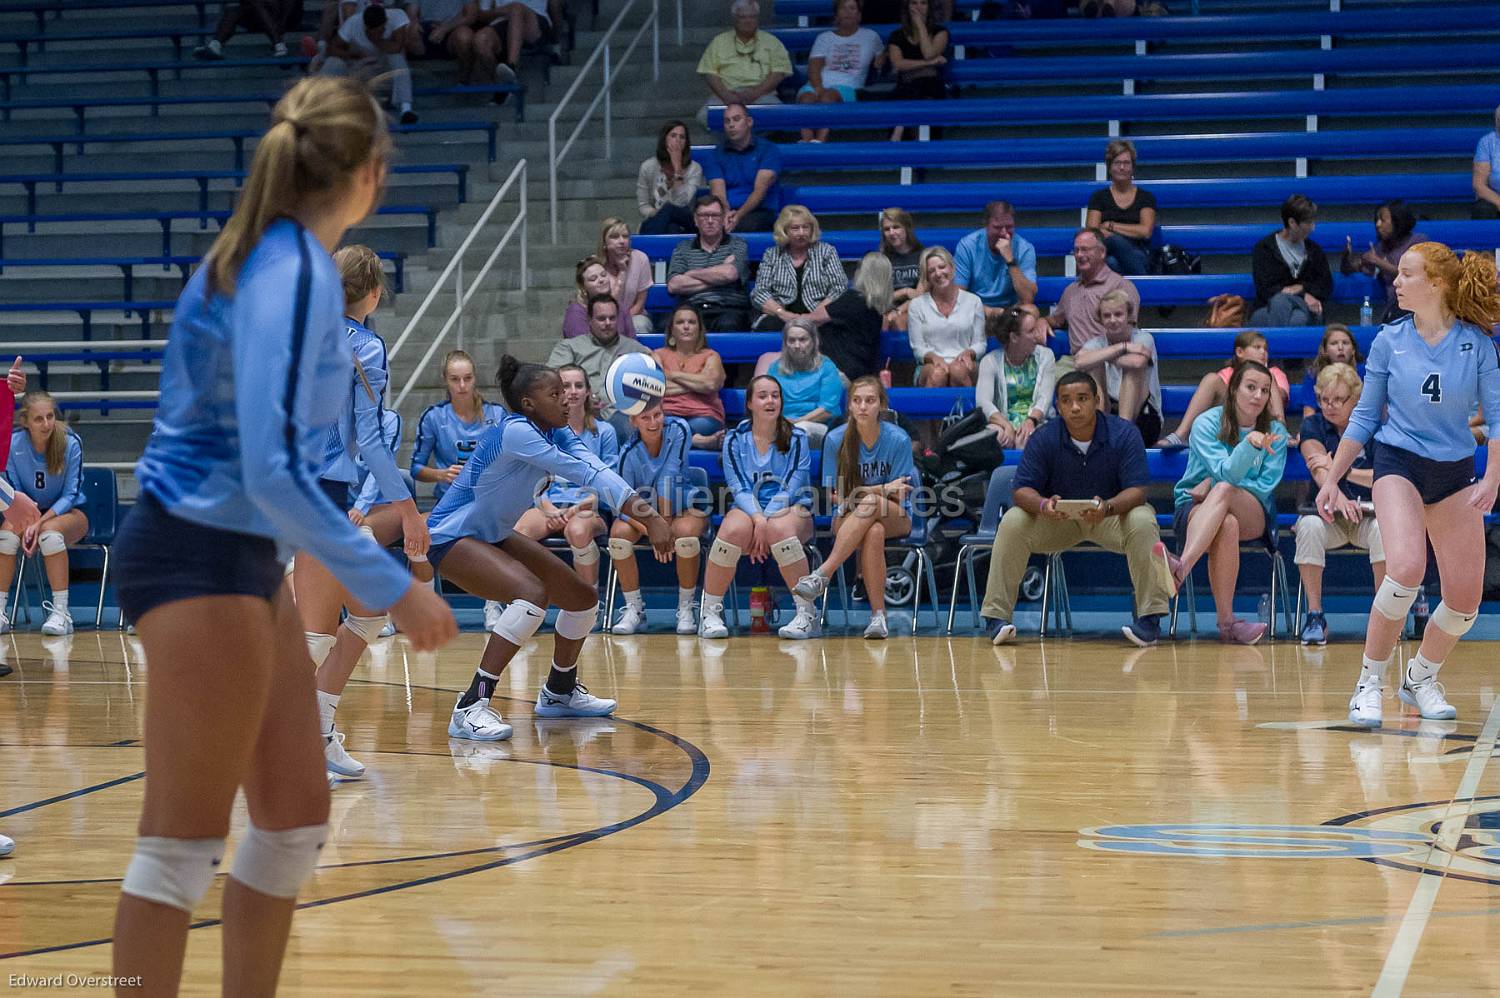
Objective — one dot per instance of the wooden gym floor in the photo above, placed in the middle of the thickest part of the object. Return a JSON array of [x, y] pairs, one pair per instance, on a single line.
[[923, 816]]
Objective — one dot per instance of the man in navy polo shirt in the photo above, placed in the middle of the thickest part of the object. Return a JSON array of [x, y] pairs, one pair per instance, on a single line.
[[1082, 454], [745, 173]]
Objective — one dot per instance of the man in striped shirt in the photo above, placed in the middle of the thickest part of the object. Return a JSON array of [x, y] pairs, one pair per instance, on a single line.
[[712, 272]]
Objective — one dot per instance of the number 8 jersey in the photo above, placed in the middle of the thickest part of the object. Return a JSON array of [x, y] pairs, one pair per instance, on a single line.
[[1419, 397]]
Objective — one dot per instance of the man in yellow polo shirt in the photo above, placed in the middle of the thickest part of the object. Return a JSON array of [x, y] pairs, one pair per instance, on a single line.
[[744, 66]]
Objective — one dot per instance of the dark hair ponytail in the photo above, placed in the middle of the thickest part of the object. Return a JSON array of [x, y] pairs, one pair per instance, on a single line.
[[517, 379]]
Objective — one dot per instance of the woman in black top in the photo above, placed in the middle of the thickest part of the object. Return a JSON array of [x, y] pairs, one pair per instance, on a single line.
[[916, 53], [1125, 213], [851, 336]]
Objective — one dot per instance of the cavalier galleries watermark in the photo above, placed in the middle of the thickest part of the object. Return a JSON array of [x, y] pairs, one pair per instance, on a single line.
[[72, 981]]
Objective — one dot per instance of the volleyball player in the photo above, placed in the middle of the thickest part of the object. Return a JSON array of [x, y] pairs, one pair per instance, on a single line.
[[23, 515], [476, 545], [1426, 373], [252, 381], [46, 462], [655, 463]]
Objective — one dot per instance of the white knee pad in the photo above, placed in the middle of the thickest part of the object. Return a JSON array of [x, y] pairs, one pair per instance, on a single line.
[[278, 863], [575, 624], [51, 542], [173, 872], [367, 629], [586, 555], [9, 543], [367, 530], [724, 554], [1450, 620], [620, 549], [1393, 600], [519, 621], [319, 645], [687, 547], [788, 551]]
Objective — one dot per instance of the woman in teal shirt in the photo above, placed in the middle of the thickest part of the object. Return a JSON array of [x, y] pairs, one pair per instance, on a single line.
[[1236, 456]]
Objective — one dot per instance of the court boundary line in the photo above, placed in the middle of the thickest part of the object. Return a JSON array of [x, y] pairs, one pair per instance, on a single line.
[[1403, 950]]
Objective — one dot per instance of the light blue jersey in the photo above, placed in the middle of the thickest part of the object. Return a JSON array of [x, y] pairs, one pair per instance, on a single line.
[[1428, 392], [370, 494], [27, 472], [250, 386], [443, 439], [768, 482], [889, 460], [358, 433], [664, 474], [1251, 468], [502, 480], [604, 443]]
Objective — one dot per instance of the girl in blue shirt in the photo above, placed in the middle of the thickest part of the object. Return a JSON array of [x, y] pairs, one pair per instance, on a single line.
[[449, 431], [568, 508], [1426, 373], [1236, 456], [655, 464], [768, 467], [46, 463], [868, 464], [251, 385]]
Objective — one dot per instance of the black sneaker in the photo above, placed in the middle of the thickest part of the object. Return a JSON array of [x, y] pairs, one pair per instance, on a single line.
[[1143, 631]]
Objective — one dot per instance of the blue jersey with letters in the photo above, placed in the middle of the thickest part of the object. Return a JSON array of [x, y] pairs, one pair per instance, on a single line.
[[251, 384], [890, 459], [443, 439], [359, 433], [604, 443], [1427, 393], [770, 481], [502, 480], [665, 474], [27, 472]]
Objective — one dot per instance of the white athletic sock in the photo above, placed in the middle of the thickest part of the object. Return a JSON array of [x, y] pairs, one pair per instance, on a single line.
[[806, 606], [633, 597], [1373, 671], [60, 601], [327, 704], [1419, 670], [684, 597], [712, 603]]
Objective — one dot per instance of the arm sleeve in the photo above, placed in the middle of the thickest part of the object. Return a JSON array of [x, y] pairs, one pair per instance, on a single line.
[[1046, 380], [984, 383], [744, 498], [1035, 471], [741, 259], [568, 459], [609, 445], [561, 354], [426, 441], [712, 168], [11, 476], [575, 323], [963, 263], [1134, 472], [835, 280], [645, 194], [675, 464], [678, 264], [916, 327], [794, 487], [904, 465], [763, 284], [1267, 270], [1225, 464], [831, 445], [1365, 419], [780, 61], [72, 493], [830, 389], [1266, 474], [1489, 390], [368, 431], [1026, 260], [368, 493], [7, 494], [977, 340], [1317, 278]]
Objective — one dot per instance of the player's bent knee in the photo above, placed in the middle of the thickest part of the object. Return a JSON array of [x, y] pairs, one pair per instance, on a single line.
[[788, 551], [173, 872], [588, 554], [687, 547], [621, 549], [277, 864], [724, 554], [9, 543], [318, 646], [574, 625], [367, 629], [519, 621], [1451, 621], [1393, 600]]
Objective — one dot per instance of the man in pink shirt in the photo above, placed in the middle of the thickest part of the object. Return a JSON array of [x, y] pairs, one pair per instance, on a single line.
[[1077, 310]]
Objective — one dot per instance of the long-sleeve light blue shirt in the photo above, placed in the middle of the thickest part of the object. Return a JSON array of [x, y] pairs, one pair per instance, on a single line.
[[771, 481], [1251, 468]]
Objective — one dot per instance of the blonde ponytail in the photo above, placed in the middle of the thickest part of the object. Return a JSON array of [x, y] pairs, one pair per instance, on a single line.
[[359, 268], [322, 131]]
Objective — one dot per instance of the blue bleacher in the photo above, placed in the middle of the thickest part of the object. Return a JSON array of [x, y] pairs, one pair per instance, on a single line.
[[183, 264]]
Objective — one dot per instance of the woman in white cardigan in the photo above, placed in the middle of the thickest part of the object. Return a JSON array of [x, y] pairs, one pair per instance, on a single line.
[[1016, 382], [945, 324]]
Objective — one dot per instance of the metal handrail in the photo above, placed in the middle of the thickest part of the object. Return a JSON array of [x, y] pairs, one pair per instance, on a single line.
[[455, 268], [602, 51]]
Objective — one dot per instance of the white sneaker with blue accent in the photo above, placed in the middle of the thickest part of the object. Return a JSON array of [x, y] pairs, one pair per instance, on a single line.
[[1427, 698], [478, 722], [632, 618], [1365, 707], [337, 760], [579, 703], [803, 626], [7, 846], [58, 622]]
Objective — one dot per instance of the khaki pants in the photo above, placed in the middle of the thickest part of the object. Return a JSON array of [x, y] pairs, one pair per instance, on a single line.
[[1316, 538], [1021, 535]]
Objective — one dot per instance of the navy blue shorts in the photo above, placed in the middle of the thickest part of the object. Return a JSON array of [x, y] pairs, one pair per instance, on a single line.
[[1434, 480], [161, 558], [340, 492], [437, 552]]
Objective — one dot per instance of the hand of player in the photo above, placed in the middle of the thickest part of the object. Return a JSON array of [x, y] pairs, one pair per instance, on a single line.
[[415, 539], [424, 617], [759, 547], [450, 473], [1482, 495], [28, 538], [16, 378], [659, 532], [357, 518], [1332, 502], [23, 513]]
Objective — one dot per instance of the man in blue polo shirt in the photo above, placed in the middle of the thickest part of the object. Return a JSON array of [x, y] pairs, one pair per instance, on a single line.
[[745, 173], [1082, 454], [995, 263]]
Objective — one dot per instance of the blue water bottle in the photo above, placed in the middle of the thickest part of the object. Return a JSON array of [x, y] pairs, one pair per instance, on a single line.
[[1366, 313]]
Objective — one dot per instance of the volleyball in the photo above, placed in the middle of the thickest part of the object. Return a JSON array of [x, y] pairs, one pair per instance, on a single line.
[[634, 382]]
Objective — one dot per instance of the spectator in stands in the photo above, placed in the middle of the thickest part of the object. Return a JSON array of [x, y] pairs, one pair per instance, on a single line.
[[899, 242], [448, 32], [840, 62], [1292, 278], [799, 275], [1083, 454], [1339, 388], [744, 66], [514, 23], [1235, 461], [596, 351], [916, 51], [744, 172], [1487, 173], [1213, 388], [1015, 383], [946, 326], [1125, 213], [851, 336], [668, 182], [1336, 347], [273, 18], [629, 272], [712, 272], [1395, 233], [811, 390], [372, 47], [1124, 362], [694, 374], [46, 463], [995, 263], [336, 13], [591, 280], [1077, 310]]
